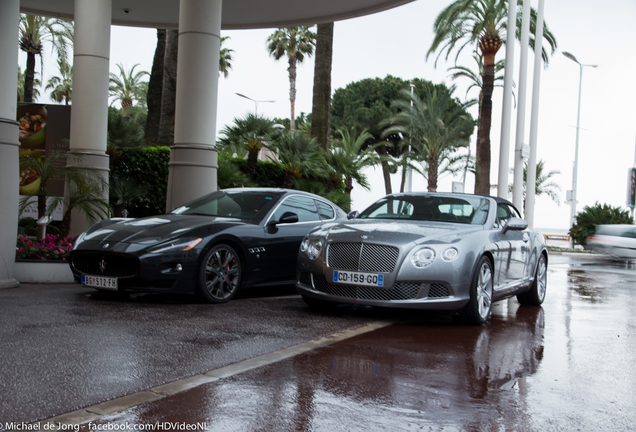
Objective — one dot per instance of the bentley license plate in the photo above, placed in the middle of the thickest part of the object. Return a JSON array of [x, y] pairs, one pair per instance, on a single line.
[[356, 278], [109, 283]]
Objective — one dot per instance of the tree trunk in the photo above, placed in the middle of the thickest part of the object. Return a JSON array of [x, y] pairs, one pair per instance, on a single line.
[[321, 105], [348, 185], [433, 167], [288, 181], [482, 176], [155, 91], [252, 162], [386, 172], [29, 76], [166, 124], [65, 225], [292, 90]]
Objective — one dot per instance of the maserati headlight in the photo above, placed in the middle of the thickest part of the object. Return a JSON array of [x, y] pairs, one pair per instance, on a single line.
[[423, 257], [450, 254], [176, 245], [312, 247]]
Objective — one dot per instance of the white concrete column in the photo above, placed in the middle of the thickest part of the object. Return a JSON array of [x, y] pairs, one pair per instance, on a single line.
[[517, 188], [89, 113], [534, 118], [504, 147], [9, 144], [193, 157]]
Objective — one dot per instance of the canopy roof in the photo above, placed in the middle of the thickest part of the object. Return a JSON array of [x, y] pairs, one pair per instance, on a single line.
[[237, 14]]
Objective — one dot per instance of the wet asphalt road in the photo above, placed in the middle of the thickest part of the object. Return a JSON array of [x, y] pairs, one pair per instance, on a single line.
[[566, 366]]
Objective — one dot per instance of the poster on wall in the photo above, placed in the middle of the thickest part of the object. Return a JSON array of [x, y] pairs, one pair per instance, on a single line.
[[43, 129]]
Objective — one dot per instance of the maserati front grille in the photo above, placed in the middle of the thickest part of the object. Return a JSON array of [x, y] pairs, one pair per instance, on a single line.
[[105, 264]]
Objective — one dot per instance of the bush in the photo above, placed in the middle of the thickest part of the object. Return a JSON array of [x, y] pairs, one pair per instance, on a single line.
[[148, 168], [49, 248], [590, 217]]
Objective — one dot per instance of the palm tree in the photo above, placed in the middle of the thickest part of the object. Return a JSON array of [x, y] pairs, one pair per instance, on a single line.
[[437, 125], [83, 194], [124, 129], [483, 22], [300, 155], [65, 164], [62, 86], [225, 58], [36, 83], [248, 134], [476, 77], [347, 157], [128, 87], [295, 43], [35, 31], [543, 186], [321, 100]]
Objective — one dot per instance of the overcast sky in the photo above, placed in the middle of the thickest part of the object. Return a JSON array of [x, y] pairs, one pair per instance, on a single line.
[[395, 42]]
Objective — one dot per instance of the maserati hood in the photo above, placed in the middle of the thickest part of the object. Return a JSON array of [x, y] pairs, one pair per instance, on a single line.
[[155, 229]]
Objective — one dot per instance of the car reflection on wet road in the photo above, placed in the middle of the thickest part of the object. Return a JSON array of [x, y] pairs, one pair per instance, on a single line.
[[568, 365]]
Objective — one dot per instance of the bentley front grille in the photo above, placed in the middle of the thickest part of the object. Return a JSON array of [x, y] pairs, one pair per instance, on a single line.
[[105, 264], [362, 257], [401, 291]]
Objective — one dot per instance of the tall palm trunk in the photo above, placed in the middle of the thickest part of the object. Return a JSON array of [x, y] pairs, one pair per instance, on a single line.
[[386, 171], [29, 77], [292, 90], [155, 91], [489, 46], [433, 167], [168, 103], [321, 105], [252, 160], [348, 185]]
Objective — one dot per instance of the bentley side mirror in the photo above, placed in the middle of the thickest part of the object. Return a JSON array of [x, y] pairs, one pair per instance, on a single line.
[[353, 214], [515, 224]]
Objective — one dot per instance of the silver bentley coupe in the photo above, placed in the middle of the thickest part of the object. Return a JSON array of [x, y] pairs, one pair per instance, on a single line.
[[436, 251]]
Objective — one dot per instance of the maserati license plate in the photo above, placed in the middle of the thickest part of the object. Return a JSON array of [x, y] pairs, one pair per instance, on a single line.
[[108, 283]]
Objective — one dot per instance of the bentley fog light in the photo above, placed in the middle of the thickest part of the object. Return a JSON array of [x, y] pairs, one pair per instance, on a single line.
[[423, 257], [450, 254]]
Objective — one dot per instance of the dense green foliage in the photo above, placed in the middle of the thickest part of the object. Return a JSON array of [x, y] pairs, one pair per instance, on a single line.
[[590, 217], [148, 168]]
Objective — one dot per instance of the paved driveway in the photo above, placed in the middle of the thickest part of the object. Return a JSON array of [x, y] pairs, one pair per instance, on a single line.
[[269, 363]]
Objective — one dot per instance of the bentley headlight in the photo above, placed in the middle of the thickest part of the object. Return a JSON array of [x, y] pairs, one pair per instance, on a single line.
[[312, 247], [422, 258], [450, 254], [176, 245]]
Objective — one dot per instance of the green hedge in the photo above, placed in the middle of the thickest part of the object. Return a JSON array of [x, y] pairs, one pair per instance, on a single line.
[[148, 168]]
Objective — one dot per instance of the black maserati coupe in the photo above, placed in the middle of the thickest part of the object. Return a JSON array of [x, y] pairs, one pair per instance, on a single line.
[[213, 246]]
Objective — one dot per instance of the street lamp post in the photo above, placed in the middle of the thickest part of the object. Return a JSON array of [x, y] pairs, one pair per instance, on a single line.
[[255, 102], [576, 146]]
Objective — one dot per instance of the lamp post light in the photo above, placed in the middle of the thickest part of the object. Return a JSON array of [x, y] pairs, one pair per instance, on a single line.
[[255, 102], [576, 146]]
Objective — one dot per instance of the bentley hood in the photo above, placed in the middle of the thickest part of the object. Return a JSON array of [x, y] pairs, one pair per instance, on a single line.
[[395, 232]]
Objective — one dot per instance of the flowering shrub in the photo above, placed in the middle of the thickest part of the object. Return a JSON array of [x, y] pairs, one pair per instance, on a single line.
[[49, 248]]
